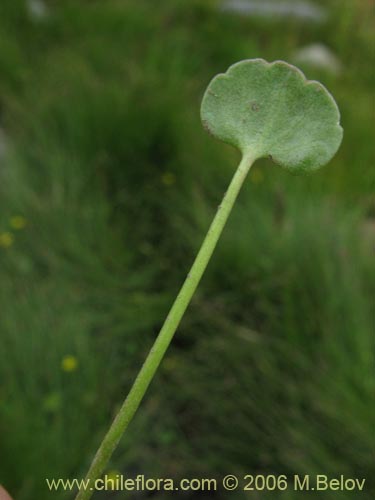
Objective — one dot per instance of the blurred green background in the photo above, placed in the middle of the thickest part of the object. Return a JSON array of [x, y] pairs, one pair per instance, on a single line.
[[107, 186]]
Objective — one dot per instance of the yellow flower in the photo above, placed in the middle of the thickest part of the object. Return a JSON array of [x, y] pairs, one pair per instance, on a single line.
[[17, 221], [6, 239], [168, 178], [69, 363]]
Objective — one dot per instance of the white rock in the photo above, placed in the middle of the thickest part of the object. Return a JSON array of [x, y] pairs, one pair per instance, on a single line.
[[302, 9], [37, 9], [319, 56]]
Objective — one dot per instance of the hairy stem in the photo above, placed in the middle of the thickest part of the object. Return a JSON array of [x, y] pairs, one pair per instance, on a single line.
[[165, 336]]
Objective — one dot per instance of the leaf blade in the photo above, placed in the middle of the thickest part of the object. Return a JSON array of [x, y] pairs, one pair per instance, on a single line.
[[271, 109]]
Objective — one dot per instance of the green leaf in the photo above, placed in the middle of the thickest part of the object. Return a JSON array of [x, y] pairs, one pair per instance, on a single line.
[[270, 109]]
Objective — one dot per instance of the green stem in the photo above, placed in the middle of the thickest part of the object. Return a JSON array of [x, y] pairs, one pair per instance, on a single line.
[[165, 336]]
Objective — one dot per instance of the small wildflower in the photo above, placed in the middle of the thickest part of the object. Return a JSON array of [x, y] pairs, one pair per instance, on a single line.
[[168, 179], [6, 239], [17, 221], [69, 363]]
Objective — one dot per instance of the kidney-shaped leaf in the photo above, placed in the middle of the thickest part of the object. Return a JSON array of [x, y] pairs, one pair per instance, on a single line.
[[270, 109]]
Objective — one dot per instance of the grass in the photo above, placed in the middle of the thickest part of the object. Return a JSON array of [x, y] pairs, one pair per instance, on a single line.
[[108, 164]]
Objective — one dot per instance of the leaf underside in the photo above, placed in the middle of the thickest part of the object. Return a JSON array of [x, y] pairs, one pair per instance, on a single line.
[[270, 109]]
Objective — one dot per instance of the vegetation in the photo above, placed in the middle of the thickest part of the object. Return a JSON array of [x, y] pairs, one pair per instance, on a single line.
[[261, 108], [107, 186]]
